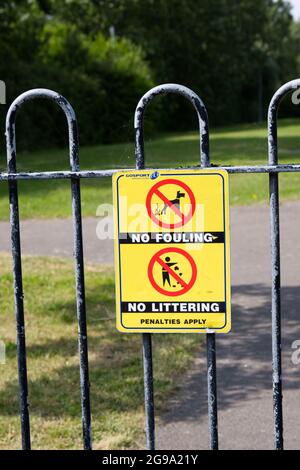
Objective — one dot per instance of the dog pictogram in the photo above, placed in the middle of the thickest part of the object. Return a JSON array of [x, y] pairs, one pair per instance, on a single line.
[[166, 205]]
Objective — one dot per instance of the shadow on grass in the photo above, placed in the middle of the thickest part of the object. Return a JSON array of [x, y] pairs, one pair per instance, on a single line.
[[116, 373], [97, 310], [115, 376]]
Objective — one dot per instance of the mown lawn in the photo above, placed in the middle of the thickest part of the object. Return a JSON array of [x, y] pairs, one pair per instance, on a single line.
[[115, 361], [241, 145]]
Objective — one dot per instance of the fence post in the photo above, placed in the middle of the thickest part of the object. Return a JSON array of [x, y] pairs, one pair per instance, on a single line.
[[275, 254], [211, 346], [78, 255]]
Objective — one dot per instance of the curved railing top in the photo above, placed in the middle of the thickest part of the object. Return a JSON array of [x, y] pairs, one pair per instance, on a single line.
[[272, 117], [190, 96], [11, 121]]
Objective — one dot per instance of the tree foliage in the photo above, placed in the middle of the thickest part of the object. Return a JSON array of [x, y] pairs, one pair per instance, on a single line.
[[104, 54]]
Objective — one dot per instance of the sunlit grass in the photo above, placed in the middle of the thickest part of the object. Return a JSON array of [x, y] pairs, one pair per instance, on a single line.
[[237, 145]]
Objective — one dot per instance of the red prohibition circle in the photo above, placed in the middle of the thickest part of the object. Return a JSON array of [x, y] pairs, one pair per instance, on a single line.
[[156, 259], [184, 218]]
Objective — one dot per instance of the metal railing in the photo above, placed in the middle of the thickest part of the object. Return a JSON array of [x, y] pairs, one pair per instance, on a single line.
[[75, 174]]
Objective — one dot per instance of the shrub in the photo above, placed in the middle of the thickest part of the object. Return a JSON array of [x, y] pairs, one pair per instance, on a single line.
[[103, 78]]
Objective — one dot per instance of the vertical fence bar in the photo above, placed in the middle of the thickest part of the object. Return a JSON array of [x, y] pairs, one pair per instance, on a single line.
[[211, 349], [78, 256], [146, 337], [276, 311], [275, 258], [211, 355], [80, 287], [18, 284], [212, 390], [148, 391]]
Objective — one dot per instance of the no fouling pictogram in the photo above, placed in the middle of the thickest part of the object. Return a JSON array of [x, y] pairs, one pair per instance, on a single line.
[[170, 197]]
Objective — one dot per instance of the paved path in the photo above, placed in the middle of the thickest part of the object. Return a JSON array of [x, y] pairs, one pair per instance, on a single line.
[[244, 356], [54, 238]]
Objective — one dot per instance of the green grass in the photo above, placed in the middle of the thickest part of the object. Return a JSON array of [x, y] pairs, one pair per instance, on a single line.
[[238, 145], [115, 361]]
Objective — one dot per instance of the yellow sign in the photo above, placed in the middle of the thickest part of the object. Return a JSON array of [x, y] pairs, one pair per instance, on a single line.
[[172, 251]]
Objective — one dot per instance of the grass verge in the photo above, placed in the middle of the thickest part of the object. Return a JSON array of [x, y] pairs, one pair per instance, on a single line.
[[115, 361]]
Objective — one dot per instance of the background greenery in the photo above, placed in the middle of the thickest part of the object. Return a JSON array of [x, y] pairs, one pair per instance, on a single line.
[[103, 55]]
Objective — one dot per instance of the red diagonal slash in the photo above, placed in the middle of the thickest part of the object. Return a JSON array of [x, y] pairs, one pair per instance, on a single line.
[[171, 272], [156, 189], [169, 203], [185, 287]]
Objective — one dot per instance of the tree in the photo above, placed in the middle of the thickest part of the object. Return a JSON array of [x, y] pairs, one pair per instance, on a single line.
[[104, 54], [102, 77], [223, 49]]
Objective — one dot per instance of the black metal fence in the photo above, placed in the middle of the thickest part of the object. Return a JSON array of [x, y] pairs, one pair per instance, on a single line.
[[74, 175]]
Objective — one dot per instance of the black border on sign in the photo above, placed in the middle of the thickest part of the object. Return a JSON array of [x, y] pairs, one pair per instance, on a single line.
[[225, 278]]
